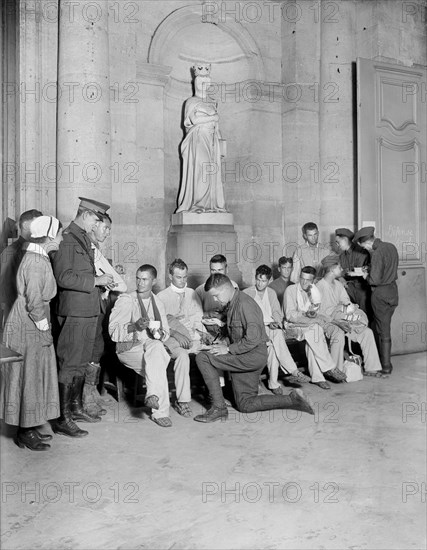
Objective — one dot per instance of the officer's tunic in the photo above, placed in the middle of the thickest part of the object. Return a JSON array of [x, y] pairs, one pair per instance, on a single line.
[[78, 305], [382, 279]]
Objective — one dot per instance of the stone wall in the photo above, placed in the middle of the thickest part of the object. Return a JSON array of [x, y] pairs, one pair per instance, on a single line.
[[287, 103], [243, 55], [29, 72], [285, 75], [320, 128]]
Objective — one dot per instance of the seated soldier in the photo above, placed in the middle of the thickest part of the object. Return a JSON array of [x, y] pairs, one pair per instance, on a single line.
[[243, 357], [335, 304], [184, 313], [278, 352], [139, 325], [280, 284], [300, 306]]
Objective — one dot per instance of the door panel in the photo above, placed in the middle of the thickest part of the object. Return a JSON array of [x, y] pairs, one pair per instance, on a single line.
[[409, 320], [392, 131]]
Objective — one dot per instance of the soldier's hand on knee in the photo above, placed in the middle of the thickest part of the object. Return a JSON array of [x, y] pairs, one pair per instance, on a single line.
[[183, 341], [219, 349]]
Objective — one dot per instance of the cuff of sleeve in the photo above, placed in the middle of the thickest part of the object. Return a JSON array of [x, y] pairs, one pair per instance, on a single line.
[[88, 283]]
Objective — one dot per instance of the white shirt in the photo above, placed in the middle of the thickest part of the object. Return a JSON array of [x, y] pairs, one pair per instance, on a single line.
[[264, 304]]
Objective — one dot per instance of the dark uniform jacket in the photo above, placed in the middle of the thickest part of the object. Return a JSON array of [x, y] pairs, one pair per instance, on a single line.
[[245, 324], [355, 256], [384, 264], [74, 270]]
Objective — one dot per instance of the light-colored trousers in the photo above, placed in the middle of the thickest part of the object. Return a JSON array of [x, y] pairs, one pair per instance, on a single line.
[[278, 356], [319, 358], [336, 339], [366, 339], [150, 359], [181, 370]]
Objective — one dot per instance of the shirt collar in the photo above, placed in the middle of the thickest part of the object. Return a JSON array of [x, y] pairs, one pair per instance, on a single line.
[[34, 247], [261, 296], [178, 290]]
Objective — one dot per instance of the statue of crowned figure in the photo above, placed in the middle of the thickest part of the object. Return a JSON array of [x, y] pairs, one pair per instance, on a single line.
[[201, 187]]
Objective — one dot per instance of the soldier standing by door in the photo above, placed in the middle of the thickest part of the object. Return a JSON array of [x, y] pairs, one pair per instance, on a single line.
[[382, 278]]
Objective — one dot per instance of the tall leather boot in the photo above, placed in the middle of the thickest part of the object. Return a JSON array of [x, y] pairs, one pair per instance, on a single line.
[[64, 425], [77, 411], [385, 347], [92, 402]]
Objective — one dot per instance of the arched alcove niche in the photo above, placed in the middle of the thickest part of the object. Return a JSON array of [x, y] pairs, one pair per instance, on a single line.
[[179, 41]]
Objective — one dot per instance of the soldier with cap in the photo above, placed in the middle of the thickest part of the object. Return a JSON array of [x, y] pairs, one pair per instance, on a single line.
[[352, 259], [78, 308], [382, 278]]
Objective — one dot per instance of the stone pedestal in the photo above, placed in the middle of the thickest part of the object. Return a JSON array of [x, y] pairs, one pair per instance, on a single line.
[[207, 218], [195, 238]]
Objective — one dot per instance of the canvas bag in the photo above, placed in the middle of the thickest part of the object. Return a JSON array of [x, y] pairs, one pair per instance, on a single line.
[[352, 366]]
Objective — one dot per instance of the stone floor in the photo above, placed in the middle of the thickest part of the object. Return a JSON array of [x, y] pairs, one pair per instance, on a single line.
[[352, 476]]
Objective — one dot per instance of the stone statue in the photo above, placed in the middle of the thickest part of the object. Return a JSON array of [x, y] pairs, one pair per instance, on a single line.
[[201, 185]]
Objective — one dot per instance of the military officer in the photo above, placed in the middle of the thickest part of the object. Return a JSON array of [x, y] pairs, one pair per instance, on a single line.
[[352, 256], [78, 308], [382, 278]]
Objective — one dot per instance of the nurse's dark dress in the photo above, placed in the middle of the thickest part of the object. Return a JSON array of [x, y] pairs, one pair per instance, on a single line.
[[29, 390]]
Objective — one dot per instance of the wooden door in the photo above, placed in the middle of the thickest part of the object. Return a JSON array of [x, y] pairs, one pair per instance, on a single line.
[[391, 131]]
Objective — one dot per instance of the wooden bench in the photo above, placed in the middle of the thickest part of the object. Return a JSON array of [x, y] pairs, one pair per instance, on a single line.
[[122, 378]]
